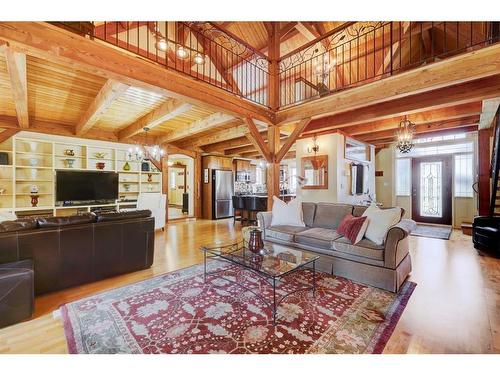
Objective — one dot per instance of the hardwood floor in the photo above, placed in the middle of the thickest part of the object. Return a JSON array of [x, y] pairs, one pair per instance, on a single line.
[[454, 309]]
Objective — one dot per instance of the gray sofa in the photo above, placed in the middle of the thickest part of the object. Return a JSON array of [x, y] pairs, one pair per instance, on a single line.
[[385, 266]]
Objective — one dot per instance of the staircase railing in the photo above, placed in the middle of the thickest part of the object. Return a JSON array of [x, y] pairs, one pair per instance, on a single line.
[[495, 164]]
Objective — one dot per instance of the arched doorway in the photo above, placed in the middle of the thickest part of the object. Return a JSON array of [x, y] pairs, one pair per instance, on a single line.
[[180, 192]]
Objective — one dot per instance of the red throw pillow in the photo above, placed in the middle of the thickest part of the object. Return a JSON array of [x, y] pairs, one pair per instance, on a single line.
[[353, 228]]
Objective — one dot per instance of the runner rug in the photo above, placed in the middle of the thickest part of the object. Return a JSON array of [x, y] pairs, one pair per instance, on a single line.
[[180, 313]]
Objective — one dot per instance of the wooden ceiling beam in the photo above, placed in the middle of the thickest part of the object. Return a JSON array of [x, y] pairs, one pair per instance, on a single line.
[[214, 137], [53, 43], [208, 123], [307, 30], [488, 112], [109, 92], [299, 128], [460, 69], [441, 114], [235, 142], [16, 67], [284, 30], [440, 132], [168, 110], [7, 133], [445, 97], [422, 128], [237, 38], [256, 139]]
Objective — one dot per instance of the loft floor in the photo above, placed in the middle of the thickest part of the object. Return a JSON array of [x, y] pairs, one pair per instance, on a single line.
[[454, 308]]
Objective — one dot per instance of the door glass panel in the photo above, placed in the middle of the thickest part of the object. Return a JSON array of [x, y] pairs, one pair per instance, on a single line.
[[431, 200]]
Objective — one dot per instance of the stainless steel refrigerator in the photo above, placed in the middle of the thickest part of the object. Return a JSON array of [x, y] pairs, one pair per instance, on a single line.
[[222, 182]]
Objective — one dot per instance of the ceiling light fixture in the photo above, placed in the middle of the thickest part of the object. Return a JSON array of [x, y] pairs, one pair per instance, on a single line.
[[161, 44], [182, 53], [404, 135], [199, 59]]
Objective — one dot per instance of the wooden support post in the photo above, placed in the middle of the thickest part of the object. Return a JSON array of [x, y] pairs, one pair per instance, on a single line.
[[484, 159], [198, 178], [274, 55], [164, 182], [273, 169]]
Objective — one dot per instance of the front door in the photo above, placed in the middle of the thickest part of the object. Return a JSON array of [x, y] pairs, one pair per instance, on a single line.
[[431, 189]]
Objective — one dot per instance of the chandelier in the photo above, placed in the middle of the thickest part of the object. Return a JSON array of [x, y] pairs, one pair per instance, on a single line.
[[138, 153], [404, 135]]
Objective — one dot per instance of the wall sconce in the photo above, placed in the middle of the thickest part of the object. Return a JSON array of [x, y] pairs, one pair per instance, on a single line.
[[315, 146]]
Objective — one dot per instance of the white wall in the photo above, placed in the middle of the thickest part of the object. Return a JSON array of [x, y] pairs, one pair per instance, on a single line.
[[339, 180]]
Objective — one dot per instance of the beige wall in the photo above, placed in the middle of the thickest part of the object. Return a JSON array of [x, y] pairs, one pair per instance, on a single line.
[[339, 180], [463, 209]]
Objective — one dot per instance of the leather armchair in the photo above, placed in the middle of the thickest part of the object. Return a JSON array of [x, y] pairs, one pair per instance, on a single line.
[[16, 292]]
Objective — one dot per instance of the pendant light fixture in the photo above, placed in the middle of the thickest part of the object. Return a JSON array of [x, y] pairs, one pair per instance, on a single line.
[[404, 135]]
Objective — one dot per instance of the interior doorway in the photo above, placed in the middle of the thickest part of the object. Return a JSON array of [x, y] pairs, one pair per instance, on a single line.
[[180, 186], [431, 189]]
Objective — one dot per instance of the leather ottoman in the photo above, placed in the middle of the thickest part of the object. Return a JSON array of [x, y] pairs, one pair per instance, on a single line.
[[16, 292]]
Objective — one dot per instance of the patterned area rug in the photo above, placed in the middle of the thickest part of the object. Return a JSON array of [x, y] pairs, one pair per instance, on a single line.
[[179, 313]]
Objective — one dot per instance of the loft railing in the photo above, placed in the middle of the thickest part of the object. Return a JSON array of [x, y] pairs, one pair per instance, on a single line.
[[367, 51], [362, 52], [198, 49]]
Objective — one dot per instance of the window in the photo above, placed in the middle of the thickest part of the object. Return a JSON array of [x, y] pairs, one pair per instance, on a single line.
[[259, 175], [463, 175], [403, 172], [293, 179]]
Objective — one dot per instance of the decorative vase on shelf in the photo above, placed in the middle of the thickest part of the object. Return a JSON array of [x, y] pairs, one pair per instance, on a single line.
[[100, 165], [69, 163], [126, 166], [69, 152], [34, 200], [150, 177], [145, 166]]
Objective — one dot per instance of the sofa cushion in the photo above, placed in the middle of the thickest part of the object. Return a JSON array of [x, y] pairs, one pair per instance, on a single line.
[[287, 213], [283, 232], [308, 211], [379, 222], [353, 228], [358, 210], [317, 237], [329, 215], [61, 221], [122, 215], [17, 225], [364, 248]]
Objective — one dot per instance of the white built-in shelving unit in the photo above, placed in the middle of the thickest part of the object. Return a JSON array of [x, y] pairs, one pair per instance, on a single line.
[[35, 160]]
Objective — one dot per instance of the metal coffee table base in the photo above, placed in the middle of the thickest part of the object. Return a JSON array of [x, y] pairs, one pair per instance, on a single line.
[[272, 281]]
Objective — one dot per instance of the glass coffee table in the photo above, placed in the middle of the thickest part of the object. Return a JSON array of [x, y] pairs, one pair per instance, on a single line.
[[272, 264]]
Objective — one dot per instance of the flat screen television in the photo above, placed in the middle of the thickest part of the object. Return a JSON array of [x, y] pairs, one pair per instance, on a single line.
[[81, 187]]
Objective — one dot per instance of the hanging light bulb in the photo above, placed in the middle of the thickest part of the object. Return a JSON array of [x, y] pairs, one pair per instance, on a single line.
[[161, 44], [199, 59], [182, 53]]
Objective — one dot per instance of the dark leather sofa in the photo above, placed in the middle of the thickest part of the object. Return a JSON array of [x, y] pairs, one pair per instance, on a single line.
[[74, 250]]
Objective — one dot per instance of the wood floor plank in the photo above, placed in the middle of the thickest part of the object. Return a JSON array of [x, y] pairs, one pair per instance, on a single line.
[[454, 309]]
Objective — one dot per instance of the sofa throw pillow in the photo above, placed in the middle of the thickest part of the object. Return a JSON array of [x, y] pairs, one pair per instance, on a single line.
[[287, 213], [379, 222], [353, 228]]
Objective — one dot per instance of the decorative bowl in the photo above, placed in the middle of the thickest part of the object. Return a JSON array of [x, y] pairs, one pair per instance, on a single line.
[[99, 155], [100, 165]]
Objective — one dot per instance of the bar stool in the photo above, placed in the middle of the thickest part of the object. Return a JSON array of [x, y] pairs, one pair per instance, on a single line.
[[254, 205], [239, 207]]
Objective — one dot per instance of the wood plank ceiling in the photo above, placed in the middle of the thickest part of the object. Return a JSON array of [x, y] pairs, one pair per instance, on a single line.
[[60, 98]]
